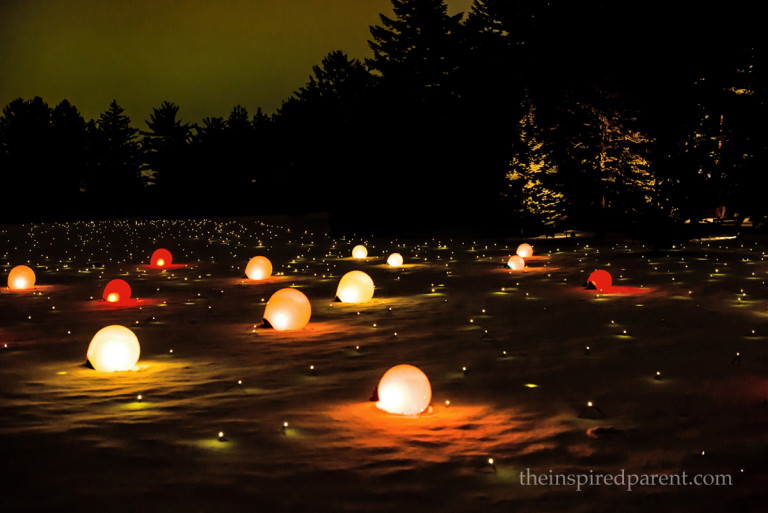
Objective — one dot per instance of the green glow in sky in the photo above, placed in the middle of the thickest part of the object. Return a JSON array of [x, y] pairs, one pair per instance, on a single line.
[[206, 56]]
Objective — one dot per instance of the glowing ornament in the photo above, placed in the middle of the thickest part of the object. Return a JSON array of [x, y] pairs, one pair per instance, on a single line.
[[359, 251], [599, 280], [404, 390], [395, 260], [524, 250], [21, 277], [258, 268], [355, 287], [117, 291], [161, 258], [287, 309], [516, 263], [114, 348]]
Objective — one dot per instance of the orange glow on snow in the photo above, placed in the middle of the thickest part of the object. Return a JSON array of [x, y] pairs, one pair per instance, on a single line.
[[440, 434]]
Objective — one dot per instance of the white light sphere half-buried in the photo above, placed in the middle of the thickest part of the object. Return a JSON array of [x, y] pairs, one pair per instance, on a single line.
[[355, 287], [288, 309], [404, 390], [516, 263], [395, 260], [258, 268], [524, 250], [113, 348], [359, 251]]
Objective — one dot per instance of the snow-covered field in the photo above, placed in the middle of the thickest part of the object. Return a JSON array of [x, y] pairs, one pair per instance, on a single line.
[[74, 439]]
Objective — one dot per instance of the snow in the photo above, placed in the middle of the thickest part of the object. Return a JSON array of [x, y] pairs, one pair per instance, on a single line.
[[75, 439]]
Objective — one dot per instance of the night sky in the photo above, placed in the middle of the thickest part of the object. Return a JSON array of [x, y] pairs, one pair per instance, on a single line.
[[204, 56]]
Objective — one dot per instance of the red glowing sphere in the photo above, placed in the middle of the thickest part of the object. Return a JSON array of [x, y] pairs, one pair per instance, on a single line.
[[117, 291], [600, 280], [161, 258]]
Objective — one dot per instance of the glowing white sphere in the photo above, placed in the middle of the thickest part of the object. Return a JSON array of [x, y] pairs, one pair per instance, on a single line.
[[258, 268], [21, 277], [404, 390], [114, 348], [395, 260], [516, 263], [288, 309], [359, 251], [355, 287], [524, 250]]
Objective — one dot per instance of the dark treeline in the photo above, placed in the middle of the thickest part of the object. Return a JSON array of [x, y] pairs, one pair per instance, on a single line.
[[518, 115]]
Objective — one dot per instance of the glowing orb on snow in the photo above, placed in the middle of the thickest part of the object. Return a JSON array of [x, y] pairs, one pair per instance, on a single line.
[[161, 258], [21, 277], [395, 260], [258, 268], [114, 348], [404, 390], [355, 287], [600, 280], [516, 263], [116, 291], [524, 250], [288, 309], [359, 251]]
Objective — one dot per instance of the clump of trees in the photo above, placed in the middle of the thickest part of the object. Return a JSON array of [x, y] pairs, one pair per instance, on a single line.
[[518, 115]]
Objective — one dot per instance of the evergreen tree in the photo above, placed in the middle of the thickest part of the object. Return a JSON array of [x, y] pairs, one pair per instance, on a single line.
[[261, 123], [323, 133], [533, 175], [166, 152], [723, 151], [338, 80], [29, 167], [211, 132], [69, 146], [116, 160], [417, 118], [241, 150], [504, 25], [416, 51], [605, 163], [208, 147]]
